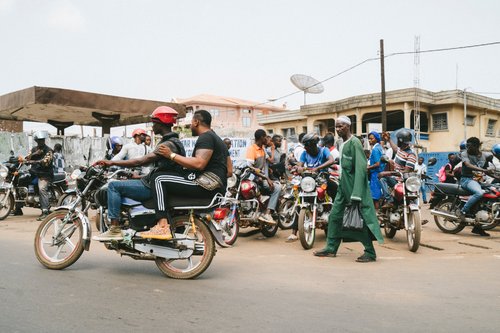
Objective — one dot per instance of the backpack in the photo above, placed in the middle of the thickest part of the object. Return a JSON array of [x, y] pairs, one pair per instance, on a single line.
[[442, 173]]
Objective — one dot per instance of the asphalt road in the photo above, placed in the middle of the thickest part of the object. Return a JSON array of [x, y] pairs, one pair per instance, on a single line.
[[260, 285]]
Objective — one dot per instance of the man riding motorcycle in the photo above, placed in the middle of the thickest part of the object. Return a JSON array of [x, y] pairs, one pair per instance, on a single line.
[[256, 158], [116, 144], [316, 159], [163, 118], [41, 159], [473, 159], [135, 149], [404, 162]]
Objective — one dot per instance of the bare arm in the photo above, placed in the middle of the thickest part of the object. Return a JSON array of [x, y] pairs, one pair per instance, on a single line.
[[139, 161], [197, 162]]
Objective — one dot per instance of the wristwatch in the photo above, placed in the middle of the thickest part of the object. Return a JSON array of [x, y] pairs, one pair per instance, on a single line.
[[172, 156]]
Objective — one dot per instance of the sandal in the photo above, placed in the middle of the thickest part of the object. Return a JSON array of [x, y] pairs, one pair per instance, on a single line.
[[157, 232]]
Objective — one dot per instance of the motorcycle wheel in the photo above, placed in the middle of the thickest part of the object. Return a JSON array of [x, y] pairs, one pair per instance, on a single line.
[[205, 250], [68, 246], [269, 230], [445, 225], [286, 215], [389, 231], [6, 208], [230, 235], [414, 231], [306, 232]]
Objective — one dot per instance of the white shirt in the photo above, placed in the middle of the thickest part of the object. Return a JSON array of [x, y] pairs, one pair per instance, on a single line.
[[421, 169], [133, 150]]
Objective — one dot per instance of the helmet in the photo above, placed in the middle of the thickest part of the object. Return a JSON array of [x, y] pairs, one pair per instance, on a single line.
[[463, 145], [310, 139], [40, 135], [138, 131], [404, 137], [496, 150], [115, 140], [164, 115]]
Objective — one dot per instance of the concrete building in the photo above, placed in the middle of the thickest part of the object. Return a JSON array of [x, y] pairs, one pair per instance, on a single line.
[[441, 117], [230, 116]]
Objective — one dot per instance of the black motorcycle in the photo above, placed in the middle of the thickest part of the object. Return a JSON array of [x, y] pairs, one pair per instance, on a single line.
[[19, 188]]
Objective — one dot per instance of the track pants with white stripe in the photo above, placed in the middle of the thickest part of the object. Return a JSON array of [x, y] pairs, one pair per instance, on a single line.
[[171, 183]]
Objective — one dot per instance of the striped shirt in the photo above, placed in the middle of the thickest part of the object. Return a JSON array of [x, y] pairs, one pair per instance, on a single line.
[[405, 159]]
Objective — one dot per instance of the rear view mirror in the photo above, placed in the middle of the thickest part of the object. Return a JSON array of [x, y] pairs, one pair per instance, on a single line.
[[432, 161]]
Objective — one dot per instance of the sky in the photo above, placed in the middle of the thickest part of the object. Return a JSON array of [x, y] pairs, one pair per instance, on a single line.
[[162, 49]]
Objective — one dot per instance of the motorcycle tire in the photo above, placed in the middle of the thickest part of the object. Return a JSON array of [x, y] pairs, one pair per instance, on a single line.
[[67, 250], [8, 206], [183, 269], [307, 234], [269, 230], [231, 234], [67, 198], [389, 231], [414, 231], [448, 226], [286, 216]]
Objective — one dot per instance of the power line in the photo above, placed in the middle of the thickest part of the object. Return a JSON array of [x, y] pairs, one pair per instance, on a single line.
[[378, 58]]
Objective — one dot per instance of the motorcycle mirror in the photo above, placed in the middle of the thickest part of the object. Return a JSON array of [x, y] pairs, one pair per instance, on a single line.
[[432, 161]]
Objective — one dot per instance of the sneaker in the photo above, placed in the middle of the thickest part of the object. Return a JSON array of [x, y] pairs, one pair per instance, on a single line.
[[156, 232], [291, 238], [479, 231], [114, 233], [425, 202], [42, 216], [267, 218], [18, 212], [365, 258]]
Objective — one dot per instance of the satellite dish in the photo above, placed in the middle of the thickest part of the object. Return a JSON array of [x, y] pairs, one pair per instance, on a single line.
[[307, 84]]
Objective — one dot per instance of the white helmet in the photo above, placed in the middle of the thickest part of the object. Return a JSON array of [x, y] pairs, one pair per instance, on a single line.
[[40, 135]]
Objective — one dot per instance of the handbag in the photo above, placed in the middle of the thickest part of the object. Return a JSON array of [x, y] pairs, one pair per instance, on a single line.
[[352, 218], [208, 180]]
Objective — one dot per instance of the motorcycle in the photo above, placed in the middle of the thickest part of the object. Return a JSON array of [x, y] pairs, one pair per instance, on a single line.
[[314, 206], [19, 188], [288, 211], [453, 197], [243, 204], [405, 214], [63, 235]]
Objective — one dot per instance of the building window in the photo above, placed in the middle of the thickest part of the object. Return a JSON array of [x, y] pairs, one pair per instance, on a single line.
[[288, 132], [214, 112], [470, 120], [439, 122], [490, 130], [317, 129], [270, 131], [246, 121]]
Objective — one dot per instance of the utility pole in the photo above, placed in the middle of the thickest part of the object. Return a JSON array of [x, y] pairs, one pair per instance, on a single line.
[[382, 77]]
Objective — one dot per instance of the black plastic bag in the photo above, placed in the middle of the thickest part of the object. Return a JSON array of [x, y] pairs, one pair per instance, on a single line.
[[353, 219]]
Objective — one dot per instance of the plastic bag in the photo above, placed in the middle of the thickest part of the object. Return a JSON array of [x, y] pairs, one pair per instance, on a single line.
[[352, 218]]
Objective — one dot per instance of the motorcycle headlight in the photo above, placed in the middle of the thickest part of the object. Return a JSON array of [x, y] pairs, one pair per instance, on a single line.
[[3, 171], [413, 184], [231, 181], [308, 184]]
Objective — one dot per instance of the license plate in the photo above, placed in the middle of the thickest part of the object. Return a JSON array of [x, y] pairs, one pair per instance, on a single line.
[[308, 194], [413, 207]]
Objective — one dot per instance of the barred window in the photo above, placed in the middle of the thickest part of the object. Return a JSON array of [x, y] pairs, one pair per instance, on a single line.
[[490, 130], [439, 122], [246, 121], [470, 120]]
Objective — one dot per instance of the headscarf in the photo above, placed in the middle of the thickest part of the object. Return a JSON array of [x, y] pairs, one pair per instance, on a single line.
[[344, 119], [375, 135]]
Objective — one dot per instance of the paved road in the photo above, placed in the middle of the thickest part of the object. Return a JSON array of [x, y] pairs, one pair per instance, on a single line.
[[261, 285]]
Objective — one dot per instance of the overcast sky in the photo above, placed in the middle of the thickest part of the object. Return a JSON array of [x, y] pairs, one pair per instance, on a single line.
[[154, 49]]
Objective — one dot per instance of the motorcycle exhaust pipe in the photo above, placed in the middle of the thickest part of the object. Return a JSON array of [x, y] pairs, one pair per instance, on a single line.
[[443, 214]]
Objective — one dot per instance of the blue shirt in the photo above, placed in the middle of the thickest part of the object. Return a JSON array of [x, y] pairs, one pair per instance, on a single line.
[[315, 161], [375, 156]]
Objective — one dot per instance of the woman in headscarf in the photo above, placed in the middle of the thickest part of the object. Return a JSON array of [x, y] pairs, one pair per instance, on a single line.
[[375, 166]]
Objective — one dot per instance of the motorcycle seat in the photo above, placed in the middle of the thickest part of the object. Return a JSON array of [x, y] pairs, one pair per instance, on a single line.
[[453, 189], [59, 176], [132, 203]]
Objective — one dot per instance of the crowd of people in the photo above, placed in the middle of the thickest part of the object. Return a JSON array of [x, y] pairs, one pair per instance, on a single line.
[[366, 175]]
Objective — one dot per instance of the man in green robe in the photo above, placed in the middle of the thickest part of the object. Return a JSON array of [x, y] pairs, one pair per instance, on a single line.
[[353, 188]]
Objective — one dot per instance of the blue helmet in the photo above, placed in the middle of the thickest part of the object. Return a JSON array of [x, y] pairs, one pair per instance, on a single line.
[[116, 140], [496, 150], [463, 145]]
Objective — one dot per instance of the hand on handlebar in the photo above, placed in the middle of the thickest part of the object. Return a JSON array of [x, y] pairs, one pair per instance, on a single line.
[[103, 163]]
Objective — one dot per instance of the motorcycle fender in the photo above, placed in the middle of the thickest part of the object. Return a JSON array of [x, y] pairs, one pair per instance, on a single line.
[[217, 235], [87, 230], [413, 207]]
